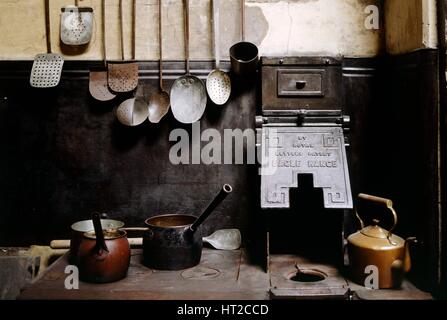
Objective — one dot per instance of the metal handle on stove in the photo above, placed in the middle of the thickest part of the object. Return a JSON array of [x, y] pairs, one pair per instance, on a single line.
[[300, 84]]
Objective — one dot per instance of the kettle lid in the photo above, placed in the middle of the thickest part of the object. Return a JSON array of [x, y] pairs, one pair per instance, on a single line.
[[375, 231], [376, 237]]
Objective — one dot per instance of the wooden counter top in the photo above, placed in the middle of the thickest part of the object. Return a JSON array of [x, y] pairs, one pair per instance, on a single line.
[[221, 275]]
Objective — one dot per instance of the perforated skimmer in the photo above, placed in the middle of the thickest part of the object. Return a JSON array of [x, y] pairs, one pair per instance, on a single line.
[[98, 86], [218, 83], [47, 67], [123, 75]]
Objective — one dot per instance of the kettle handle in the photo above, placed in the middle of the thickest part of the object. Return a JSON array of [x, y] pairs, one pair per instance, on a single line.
[[387, 202]]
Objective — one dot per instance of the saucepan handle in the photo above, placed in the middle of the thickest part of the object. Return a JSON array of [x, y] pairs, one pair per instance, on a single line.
[[100, 248], [226, 190]]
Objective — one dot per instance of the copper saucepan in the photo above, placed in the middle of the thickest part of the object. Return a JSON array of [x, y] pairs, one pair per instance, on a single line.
[[103, 255], [79, 228]]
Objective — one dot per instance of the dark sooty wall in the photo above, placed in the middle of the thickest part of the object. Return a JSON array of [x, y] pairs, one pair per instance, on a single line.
[[65, 155]]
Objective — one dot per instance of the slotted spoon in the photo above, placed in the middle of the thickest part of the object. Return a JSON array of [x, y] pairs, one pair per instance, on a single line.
[[123, 75], [98, 86], [218, 83], [47, 67]]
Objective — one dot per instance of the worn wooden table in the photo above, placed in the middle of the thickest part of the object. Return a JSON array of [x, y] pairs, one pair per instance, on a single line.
[[221, 275]]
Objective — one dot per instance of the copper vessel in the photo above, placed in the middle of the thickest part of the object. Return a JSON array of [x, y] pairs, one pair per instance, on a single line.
[[103, 255], [78, 229], [374, 247]]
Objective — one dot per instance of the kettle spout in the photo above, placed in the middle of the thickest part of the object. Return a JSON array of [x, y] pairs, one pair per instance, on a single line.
[[407, 258]]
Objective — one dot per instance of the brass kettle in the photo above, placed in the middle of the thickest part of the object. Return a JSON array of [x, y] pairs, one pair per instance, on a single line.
[[374, 248]]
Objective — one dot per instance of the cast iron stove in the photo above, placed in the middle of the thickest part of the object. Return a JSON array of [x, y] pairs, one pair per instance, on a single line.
[[302, 139]]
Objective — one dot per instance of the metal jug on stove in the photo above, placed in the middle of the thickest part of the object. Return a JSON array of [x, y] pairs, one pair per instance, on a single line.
[[380, 248]]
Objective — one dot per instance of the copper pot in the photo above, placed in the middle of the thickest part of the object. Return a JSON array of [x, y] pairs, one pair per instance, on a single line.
[[79, 228], [380, 248], [103, 256]]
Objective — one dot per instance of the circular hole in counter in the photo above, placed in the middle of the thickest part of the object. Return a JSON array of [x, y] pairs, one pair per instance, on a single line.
[[308, 275]]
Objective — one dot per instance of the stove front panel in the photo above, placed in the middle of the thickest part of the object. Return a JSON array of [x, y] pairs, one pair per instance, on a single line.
[[288, 152]]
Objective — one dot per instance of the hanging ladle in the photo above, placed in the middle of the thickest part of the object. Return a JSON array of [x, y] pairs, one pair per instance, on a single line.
[[159, 102], [133, 111], [188, 93]]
